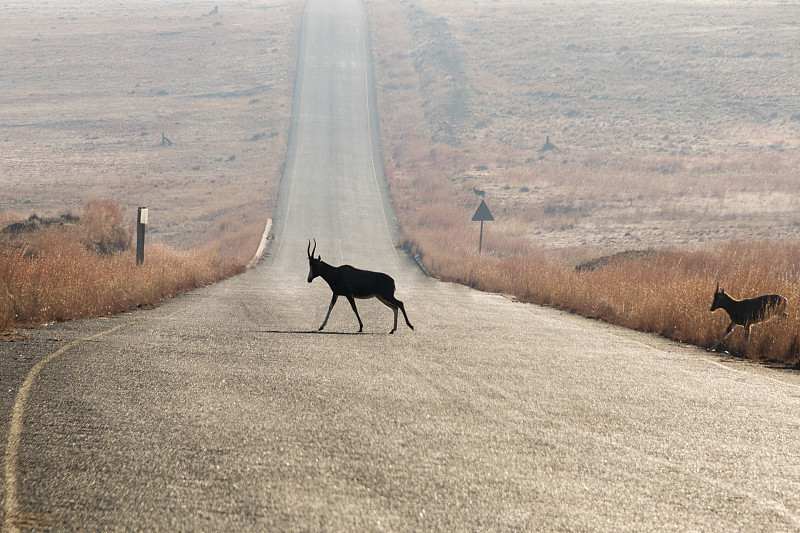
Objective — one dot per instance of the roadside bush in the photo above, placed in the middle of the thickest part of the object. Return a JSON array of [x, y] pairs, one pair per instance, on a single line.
[[664, 292], [103, 228], [87, 268]]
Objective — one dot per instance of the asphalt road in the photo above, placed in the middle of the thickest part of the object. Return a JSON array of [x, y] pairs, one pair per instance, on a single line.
[[226, 410]]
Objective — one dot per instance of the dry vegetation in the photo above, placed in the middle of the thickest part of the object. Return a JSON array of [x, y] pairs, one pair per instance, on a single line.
[[676, 129], [88, 91], [77, 266]]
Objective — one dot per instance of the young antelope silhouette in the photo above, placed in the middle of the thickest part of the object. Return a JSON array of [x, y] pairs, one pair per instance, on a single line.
[[353, 283], [747, 312]]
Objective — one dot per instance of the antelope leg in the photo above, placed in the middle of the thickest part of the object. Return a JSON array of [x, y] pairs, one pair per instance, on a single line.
[[353, 305], [727, 331], [393, 308], [395, 303], [403, 309], [333, 301]]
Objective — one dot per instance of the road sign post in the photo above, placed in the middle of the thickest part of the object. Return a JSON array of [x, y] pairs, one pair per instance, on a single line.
[[141, 222], [482, 214]]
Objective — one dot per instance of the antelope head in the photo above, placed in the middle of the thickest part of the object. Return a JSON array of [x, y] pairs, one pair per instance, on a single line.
[[312, 262], [718, 298]]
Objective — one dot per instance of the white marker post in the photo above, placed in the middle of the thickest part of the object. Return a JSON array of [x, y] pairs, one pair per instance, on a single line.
[[482, 214], [141, 222]]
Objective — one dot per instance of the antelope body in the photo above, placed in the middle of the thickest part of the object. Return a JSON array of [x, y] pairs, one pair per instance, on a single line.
[[352, 283], [747, 312]]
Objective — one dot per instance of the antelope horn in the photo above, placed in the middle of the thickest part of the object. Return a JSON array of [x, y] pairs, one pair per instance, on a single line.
[[717, 287], [308, 250], [315, 248]]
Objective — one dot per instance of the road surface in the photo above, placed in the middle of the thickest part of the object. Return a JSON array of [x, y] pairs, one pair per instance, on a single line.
[[225, 409]]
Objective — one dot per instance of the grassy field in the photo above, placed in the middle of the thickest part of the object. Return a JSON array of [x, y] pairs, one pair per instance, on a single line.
[[166, 105], [90, 88], [674, 129]]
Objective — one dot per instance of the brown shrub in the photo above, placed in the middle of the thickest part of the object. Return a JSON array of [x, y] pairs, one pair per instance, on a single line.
[[58, 273], [103, 228], [668, 293]]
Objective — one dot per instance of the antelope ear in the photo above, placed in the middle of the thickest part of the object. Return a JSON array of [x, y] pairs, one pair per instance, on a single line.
[[319, 258]]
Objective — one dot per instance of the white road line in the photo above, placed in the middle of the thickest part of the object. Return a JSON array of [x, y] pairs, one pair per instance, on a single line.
[[760, 375], [297, 141], [262, 246], [16, 426], [369, 134]]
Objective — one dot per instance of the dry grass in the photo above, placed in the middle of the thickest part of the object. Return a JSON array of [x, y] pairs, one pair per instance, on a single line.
[[87, 268], [664, 292], [87, 94], [675, 132]]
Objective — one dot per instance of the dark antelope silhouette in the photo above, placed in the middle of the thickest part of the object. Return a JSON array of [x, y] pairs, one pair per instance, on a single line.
[[747, 312], [479, 192], [353, 283]]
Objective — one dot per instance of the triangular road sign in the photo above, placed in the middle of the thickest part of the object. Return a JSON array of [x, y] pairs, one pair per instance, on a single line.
[[482, 213]]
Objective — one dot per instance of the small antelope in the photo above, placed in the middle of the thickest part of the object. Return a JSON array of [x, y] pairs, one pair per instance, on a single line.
[[479, 192], [747, 312], [353, 283]]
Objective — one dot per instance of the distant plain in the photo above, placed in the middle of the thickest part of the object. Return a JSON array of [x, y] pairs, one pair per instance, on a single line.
[[633, 154], [676, 124], [89, 88]]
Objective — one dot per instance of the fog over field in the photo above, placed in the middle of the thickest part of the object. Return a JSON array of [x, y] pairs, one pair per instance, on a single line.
[[671, 123], [89, 88], [633, 154], [589, 128]]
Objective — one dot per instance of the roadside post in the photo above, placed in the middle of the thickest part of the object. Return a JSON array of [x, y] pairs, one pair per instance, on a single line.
[[141, 222], [482, 214]]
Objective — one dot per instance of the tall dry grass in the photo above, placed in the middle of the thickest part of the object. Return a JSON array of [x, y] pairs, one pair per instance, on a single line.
[[615, 175], [87, 268], [664, 292]]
